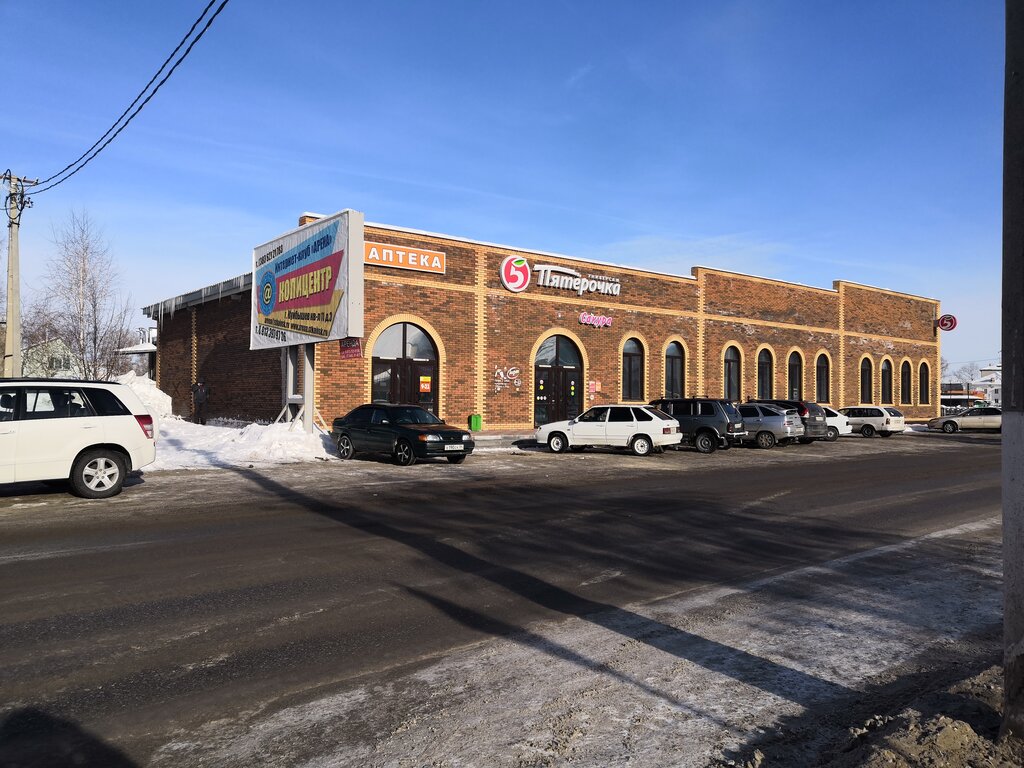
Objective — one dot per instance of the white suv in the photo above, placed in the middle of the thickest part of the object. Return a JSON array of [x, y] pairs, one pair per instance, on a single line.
[[91, 433], [869, 419], [641, 428]]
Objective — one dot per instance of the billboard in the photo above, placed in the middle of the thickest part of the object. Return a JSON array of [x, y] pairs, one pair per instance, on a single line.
[[307, 285]]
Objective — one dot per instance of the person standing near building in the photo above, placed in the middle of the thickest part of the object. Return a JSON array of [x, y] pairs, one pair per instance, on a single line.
[[200, 397]]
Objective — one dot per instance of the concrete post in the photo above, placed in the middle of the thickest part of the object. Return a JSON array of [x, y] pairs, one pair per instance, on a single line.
[[1013, 372]]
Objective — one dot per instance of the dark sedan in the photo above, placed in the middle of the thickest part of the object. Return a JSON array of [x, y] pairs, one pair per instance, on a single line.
[[406, 432]]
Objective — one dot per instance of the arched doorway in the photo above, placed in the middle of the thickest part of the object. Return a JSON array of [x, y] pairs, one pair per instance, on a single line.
[[405, 367], [557, 381]]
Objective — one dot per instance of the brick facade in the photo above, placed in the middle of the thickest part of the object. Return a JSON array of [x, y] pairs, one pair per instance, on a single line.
[[482, 330]]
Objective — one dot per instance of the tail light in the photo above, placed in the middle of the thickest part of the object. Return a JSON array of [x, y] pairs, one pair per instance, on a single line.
[[667, 430], [146, 422], [801, 409]]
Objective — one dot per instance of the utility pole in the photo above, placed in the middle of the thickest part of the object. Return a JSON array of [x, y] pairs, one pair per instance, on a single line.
[[14, 203], [1013, 373]]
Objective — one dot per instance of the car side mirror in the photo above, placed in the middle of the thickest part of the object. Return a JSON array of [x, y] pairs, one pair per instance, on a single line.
[[384, 421], [571, 422]]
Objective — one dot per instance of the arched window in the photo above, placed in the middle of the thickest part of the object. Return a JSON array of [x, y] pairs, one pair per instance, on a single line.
[[632, 370], [675, 367], [905, 383], [886, 382], [405, 366], [765, 375], [821, 375], [731, 385], [867, 390], [796, 377], [923, 388]]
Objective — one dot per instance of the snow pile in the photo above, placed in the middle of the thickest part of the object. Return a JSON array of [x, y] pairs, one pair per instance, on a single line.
[[184, 445], [157, 402]]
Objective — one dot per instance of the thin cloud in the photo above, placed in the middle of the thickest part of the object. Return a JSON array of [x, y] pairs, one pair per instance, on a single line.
[[578, 75]]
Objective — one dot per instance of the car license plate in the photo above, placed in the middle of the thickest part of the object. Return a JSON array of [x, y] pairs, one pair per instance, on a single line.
[[454, 447]]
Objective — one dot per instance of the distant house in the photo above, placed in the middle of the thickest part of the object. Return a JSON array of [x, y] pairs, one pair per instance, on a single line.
[[991, 383], [49, 359]]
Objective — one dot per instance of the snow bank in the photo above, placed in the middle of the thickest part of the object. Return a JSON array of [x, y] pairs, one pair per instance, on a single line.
[[157, 402], [184, 445]]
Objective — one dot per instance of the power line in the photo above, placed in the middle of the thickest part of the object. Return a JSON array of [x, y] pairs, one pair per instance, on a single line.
[[141, 93], [80, 163]]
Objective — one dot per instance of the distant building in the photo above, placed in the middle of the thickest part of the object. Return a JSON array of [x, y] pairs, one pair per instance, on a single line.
[[991, 384], [50, 359]]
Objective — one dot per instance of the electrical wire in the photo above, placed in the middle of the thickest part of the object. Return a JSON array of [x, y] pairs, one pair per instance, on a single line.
[[80, 163]]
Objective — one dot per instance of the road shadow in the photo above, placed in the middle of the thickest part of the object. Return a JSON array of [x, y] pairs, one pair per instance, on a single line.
[[32, 738], [785, 682]]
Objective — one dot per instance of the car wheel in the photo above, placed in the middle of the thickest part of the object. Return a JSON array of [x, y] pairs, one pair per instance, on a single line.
[[705, 442], [885, 434], [867, 430], [949, 427], [765, 440], [557, 443], [345, 449], [404, 455], [641, 445], [456, 459], [832, 434], [98, 474]]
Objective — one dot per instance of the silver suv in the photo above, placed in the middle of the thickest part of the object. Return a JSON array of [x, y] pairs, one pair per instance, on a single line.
[[90, 433], [705, 423]]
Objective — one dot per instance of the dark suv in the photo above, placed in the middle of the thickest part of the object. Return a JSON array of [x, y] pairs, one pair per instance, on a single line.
[[811, 414], [706, 423]]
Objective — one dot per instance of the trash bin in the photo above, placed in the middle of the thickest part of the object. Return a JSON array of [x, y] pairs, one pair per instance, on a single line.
[[476, 422]]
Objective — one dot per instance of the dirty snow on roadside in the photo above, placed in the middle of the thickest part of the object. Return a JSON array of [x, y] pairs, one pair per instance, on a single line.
[[684, 681]]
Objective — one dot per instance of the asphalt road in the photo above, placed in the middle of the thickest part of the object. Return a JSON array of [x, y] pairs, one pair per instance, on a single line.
[[194, 596]]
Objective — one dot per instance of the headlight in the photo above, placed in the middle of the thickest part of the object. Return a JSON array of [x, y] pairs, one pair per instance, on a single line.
[[431, 438], [467, 437]]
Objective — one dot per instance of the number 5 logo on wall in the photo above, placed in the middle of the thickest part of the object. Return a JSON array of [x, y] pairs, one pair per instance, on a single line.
[[946, 323], [515, 273]]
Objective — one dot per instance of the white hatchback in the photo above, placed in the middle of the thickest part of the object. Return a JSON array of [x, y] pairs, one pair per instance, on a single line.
[[837, 424], [90, 433], [869, 419], [641, 428]]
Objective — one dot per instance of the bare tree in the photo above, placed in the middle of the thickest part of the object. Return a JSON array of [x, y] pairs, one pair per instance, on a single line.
[[943, 369], [80, 304], [966, 374]]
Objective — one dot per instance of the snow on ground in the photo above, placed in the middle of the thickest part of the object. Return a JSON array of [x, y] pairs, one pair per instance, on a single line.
[[184, 445]]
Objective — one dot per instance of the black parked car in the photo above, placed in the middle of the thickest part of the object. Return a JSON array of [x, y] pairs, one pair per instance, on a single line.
[[811, 414], [706, 423], [406, 432]]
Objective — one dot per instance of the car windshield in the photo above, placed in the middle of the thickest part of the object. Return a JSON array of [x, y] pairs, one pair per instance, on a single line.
[[414, 415], [893, 412], [730, 410]]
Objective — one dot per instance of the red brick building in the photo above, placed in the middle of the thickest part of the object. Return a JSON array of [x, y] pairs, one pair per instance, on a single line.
[[521, 337]]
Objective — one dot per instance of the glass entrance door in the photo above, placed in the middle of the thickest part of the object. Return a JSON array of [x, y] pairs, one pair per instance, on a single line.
[[557, 381], [405, 368]]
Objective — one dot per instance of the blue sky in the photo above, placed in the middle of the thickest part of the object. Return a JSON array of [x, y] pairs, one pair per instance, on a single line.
[[804, 141]]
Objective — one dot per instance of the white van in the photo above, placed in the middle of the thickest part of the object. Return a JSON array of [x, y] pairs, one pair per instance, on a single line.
[[90, 433]]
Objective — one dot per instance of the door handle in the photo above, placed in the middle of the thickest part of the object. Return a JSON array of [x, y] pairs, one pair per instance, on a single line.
[[90, 426]]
